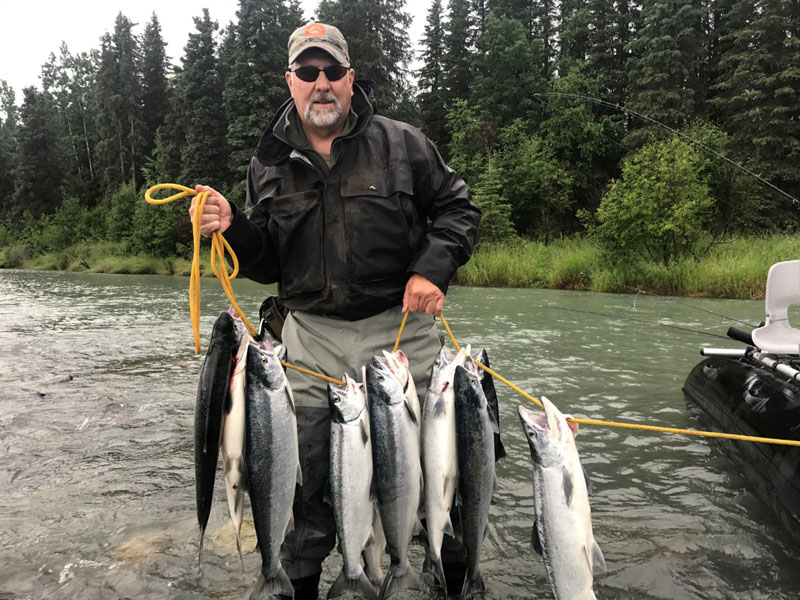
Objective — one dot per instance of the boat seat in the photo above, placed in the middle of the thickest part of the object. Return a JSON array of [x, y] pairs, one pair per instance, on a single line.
[[777, 336]]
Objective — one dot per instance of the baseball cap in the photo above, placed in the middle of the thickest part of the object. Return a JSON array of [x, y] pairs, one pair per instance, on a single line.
[[319, 35]]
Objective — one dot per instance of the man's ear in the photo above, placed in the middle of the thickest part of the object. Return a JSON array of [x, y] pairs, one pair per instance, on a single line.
[[289, 80]]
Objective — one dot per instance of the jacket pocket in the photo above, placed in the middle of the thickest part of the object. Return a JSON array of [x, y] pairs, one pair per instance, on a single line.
[[380, 220], [296, 229]]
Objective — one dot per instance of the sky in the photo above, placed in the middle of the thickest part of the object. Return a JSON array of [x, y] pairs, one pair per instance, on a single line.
[[32, 29]]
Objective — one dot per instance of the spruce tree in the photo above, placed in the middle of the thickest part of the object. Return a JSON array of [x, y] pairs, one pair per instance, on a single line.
[[8, 145], [68, 80], [204, 153], [664, 67], [573, 34], [543, 17], [755, 90], [155, 102], [431, 78], [119, 108], [458, 52], [380, 49], [507, 74], [39, 170], [255, 63]]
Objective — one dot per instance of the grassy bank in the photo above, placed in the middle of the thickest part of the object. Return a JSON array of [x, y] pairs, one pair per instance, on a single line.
[[734, 269], [95, 257]]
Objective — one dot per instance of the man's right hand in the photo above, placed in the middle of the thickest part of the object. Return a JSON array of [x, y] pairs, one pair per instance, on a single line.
[[216, 211]]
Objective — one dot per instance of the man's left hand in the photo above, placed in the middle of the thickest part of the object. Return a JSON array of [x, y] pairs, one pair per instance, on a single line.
[[422, 295]]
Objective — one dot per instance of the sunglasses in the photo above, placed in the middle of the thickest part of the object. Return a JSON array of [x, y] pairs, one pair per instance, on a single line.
[[310, 74]]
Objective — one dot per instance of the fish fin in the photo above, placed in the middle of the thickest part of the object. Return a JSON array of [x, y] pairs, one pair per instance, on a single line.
[[435, 567], [289, 525], [418, 529], [597, 562], [589, 484], [358, 588], [364, 433], [411, 412], [448, 527], [239, 548], [200, 552], [327, 498], [439, 407], [493, 420], [499, 449], [398, 580], [299, 476], [450, 486], [473, 586], [267, 589], [536, 542], [567, 485], [572, 425]]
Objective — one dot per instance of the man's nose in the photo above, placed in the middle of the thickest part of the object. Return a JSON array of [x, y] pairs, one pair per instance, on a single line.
[[322, 82]]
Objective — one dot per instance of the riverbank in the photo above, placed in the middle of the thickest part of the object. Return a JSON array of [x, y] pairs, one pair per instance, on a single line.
[[733, 269]]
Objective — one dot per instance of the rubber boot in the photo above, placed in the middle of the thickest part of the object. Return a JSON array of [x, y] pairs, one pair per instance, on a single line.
[[454, 574], [305, 588]]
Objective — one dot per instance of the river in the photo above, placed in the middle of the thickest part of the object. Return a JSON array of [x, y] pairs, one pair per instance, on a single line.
[[98, 469]]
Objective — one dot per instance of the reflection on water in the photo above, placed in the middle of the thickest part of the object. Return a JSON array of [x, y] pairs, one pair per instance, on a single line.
[[99, 480]]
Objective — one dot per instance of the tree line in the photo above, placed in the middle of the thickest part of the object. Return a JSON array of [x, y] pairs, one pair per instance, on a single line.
[[618, 119]]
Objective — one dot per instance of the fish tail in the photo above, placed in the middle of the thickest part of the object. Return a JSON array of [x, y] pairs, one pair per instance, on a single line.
[[200, 552], [359, 587], [472, 585], [433, 565], [266, 589], [400, 577], [239, 549]]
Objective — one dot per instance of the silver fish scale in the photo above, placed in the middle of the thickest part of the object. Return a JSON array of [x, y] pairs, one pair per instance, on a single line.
[[476, 472], [350, 477], [271, 454], [561, 502], [397, 470]]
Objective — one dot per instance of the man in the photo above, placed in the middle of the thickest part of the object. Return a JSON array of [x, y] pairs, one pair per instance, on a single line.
[[339, 201]]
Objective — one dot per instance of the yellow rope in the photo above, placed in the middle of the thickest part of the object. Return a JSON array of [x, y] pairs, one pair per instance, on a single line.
[[218, 247], [400, 333], [710, 434]]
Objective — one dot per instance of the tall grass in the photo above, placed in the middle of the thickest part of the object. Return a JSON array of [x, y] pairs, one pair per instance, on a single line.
[[734, 269]]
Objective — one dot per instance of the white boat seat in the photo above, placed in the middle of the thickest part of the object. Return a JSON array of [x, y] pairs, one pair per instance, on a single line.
[[777, 336]]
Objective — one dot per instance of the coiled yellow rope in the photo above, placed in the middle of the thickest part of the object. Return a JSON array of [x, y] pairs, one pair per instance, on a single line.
[[218, 248], [694, 432]]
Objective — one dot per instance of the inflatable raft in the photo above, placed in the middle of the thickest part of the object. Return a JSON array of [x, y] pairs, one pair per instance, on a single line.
[[755, 391]]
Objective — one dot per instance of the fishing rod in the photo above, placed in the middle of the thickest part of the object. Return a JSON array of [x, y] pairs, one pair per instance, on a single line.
[[683, 136], [710, 312], [643, 321]]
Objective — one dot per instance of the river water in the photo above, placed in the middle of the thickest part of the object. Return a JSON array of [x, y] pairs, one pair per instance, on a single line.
[[98, 477]]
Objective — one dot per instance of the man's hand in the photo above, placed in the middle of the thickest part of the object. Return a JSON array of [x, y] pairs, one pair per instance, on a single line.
[[216, 211], [422, 295]]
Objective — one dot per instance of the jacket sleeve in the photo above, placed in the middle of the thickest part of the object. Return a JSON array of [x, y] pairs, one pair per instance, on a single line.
[[443, 197], [249, 237]]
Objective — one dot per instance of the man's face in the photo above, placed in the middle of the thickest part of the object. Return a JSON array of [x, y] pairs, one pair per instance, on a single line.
[[321, 104]]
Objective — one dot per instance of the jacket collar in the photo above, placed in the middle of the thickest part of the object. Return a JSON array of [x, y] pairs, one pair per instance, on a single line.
[[273, 147]]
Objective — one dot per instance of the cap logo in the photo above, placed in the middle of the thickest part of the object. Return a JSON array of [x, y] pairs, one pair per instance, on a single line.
[[315, 29]]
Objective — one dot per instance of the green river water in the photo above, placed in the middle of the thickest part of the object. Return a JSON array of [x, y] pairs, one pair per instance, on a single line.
[[98, 475]]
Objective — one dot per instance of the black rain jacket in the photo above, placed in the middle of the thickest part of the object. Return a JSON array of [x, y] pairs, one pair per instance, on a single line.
[[343, 242]]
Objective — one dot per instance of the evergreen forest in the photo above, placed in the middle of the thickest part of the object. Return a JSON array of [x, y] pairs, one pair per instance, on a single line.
[[652, 130]]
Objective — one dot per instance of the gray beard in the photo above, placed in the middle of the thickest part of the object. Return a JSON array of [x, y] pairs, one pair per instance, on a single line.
[[323, 118]]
